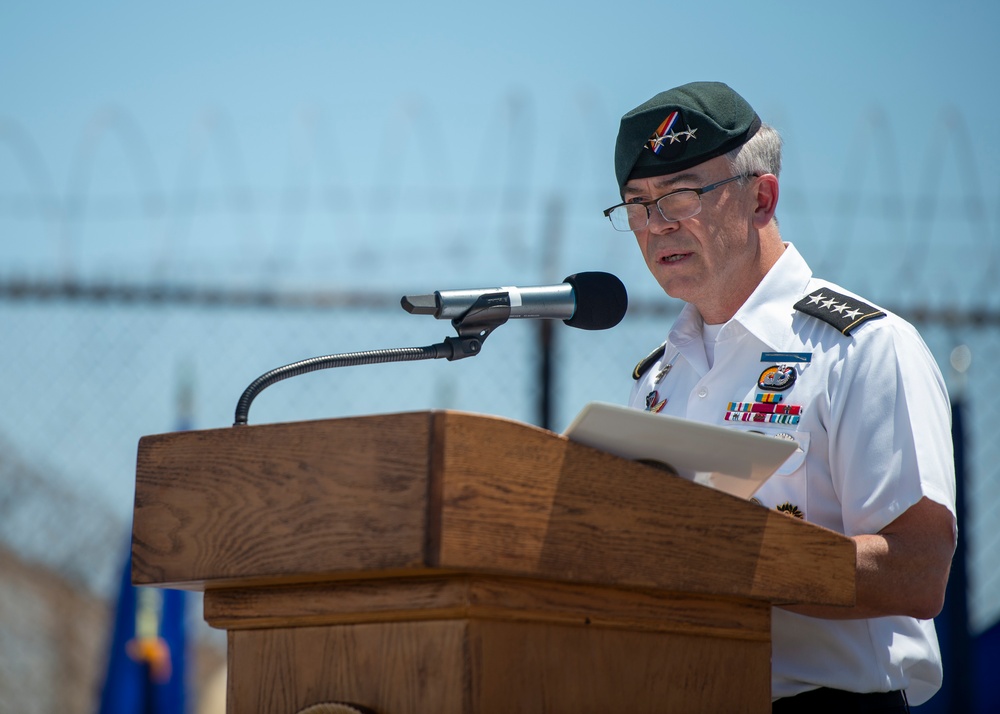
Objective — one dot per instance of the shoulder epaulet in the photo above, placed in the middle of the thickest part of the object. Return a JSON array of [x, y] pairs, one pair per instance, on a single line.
[[646, 362], [842, 311]]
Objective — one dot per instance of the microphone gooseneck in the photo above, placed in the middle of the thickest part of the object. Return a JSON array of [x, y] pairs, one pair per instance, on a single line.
[[473, 328], [589, 301], [349, 359]]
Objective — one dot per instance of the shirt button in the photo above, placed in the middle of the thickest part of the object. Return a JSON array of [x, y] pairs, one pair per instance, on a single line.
[[703, 392]]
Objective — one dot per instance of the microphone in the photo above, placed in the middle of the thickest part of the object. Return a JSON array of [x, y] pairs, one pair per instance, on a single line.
[[589, 301]]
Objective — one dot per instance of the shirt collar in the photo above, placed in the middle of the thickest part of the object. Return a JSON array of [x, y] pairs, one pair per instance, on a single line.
[[766, 314]]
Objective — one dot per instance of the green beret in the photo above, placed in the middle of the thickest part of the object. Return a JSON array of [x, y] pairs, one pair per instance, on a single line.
[[681, 128]]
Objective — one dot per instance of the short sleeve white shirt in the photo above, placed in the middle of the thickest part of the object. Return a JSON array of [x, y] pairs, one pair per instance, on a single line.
[[874, 437]]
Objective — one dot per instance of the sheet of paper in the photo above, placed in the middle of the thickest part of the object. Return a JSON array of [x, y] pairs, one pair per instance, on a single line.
[[728, 459]]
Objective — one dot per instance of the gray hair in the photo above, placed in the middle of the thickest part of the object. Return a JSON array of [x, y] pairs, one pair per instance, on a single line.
[[760, 155]]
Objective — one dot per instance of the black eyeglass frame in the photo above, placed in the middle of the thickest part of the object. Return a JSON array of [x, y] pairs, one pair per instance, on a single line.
[[656, 202]]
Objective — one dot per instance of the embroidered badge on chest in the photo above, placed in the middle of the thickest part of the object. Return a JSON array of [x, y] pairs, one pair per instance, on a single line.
[[777, 378]]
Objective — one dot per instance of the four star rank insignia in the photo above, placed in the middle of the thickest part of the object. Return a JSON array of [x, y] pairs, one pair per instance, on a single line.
[[842, 311]]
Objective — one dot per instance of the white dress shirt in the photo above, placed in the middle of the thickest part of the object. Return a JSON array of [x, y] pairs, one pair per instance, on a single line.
[[874, 437]]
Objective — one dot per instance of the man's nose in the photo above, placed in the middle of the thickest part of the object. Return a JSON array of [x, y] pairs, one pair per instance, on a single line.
[[659, 224]]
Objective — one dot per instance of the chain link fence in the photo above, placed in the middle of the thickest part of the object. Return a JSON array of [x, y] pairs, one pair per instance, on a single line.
[[124, 332]]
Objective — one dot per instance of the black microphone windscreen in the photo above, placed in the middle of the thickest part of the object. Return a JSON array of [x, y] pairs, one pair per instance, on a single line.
[[601, 300]]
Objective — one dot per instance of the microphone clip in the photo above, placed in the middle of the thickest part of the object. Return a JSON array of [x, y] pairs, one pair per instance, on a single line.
[[487, 313]]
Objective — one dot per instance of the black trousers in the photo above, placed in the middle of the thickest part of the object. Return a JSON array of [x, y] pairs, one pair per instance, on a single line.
[[836, 701]]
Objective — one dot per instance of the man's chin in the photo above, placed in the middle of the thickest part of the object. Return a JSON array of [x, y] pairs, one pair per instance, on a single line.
[[677, 289]]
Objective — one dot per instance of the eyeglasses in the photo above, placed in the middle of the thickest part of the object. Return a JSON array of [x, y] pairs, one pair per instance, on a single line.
[[674, 206]]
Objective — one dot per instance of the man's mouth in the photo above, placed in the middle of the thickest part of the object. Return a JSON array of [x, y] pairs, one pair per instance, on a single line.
[[675, 257]]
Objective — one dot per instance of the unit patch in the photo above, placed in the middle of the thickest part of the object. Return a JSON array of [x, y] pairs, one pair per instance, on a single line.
[[777, 378]]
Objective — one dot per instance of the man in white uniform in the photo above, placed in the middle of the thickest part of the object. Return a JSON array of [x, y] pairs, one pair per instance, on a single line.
[[762, 344]]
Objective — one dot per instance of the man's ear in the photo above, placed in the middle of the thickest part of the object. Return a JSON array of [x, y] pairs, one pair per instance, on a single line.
[[767, 200]]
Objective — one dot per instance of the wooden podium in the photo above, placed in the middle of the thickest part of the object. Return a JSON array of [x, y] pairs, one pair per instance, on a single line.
[[440, 562]]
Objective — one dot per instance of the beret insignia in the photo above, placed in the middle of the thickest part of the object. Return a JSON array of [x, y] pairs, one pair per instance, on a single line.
[[659, 138], [842, 311]]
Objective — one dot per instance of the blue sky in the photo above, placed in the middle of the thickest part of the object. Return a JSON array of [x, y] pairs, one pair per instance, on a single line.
[[812, 69]]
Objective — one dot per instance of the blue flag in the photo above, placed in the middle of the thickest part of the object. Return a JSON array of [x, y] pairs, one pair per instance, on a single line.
[[147, 662]]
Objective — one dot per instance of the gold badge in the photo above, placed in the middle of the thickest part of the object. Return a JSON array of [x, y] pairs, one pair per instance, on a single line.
[[790, 509]]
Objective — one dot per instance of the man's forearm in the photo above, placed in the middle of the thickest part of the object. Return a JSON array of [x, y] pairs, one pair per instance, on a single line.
[[902, 570]]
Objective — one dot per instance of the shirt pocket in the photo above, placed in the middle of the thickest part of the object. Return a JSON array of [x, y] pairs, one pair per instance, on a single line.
[[787, 489], [798, 459], [801, 438]]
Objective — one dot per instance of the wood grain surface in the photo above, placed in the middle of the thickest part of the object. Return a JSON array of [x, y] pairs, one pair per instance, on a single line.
[[479, 597], [419, 493], [487, 667], [446, 562]]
